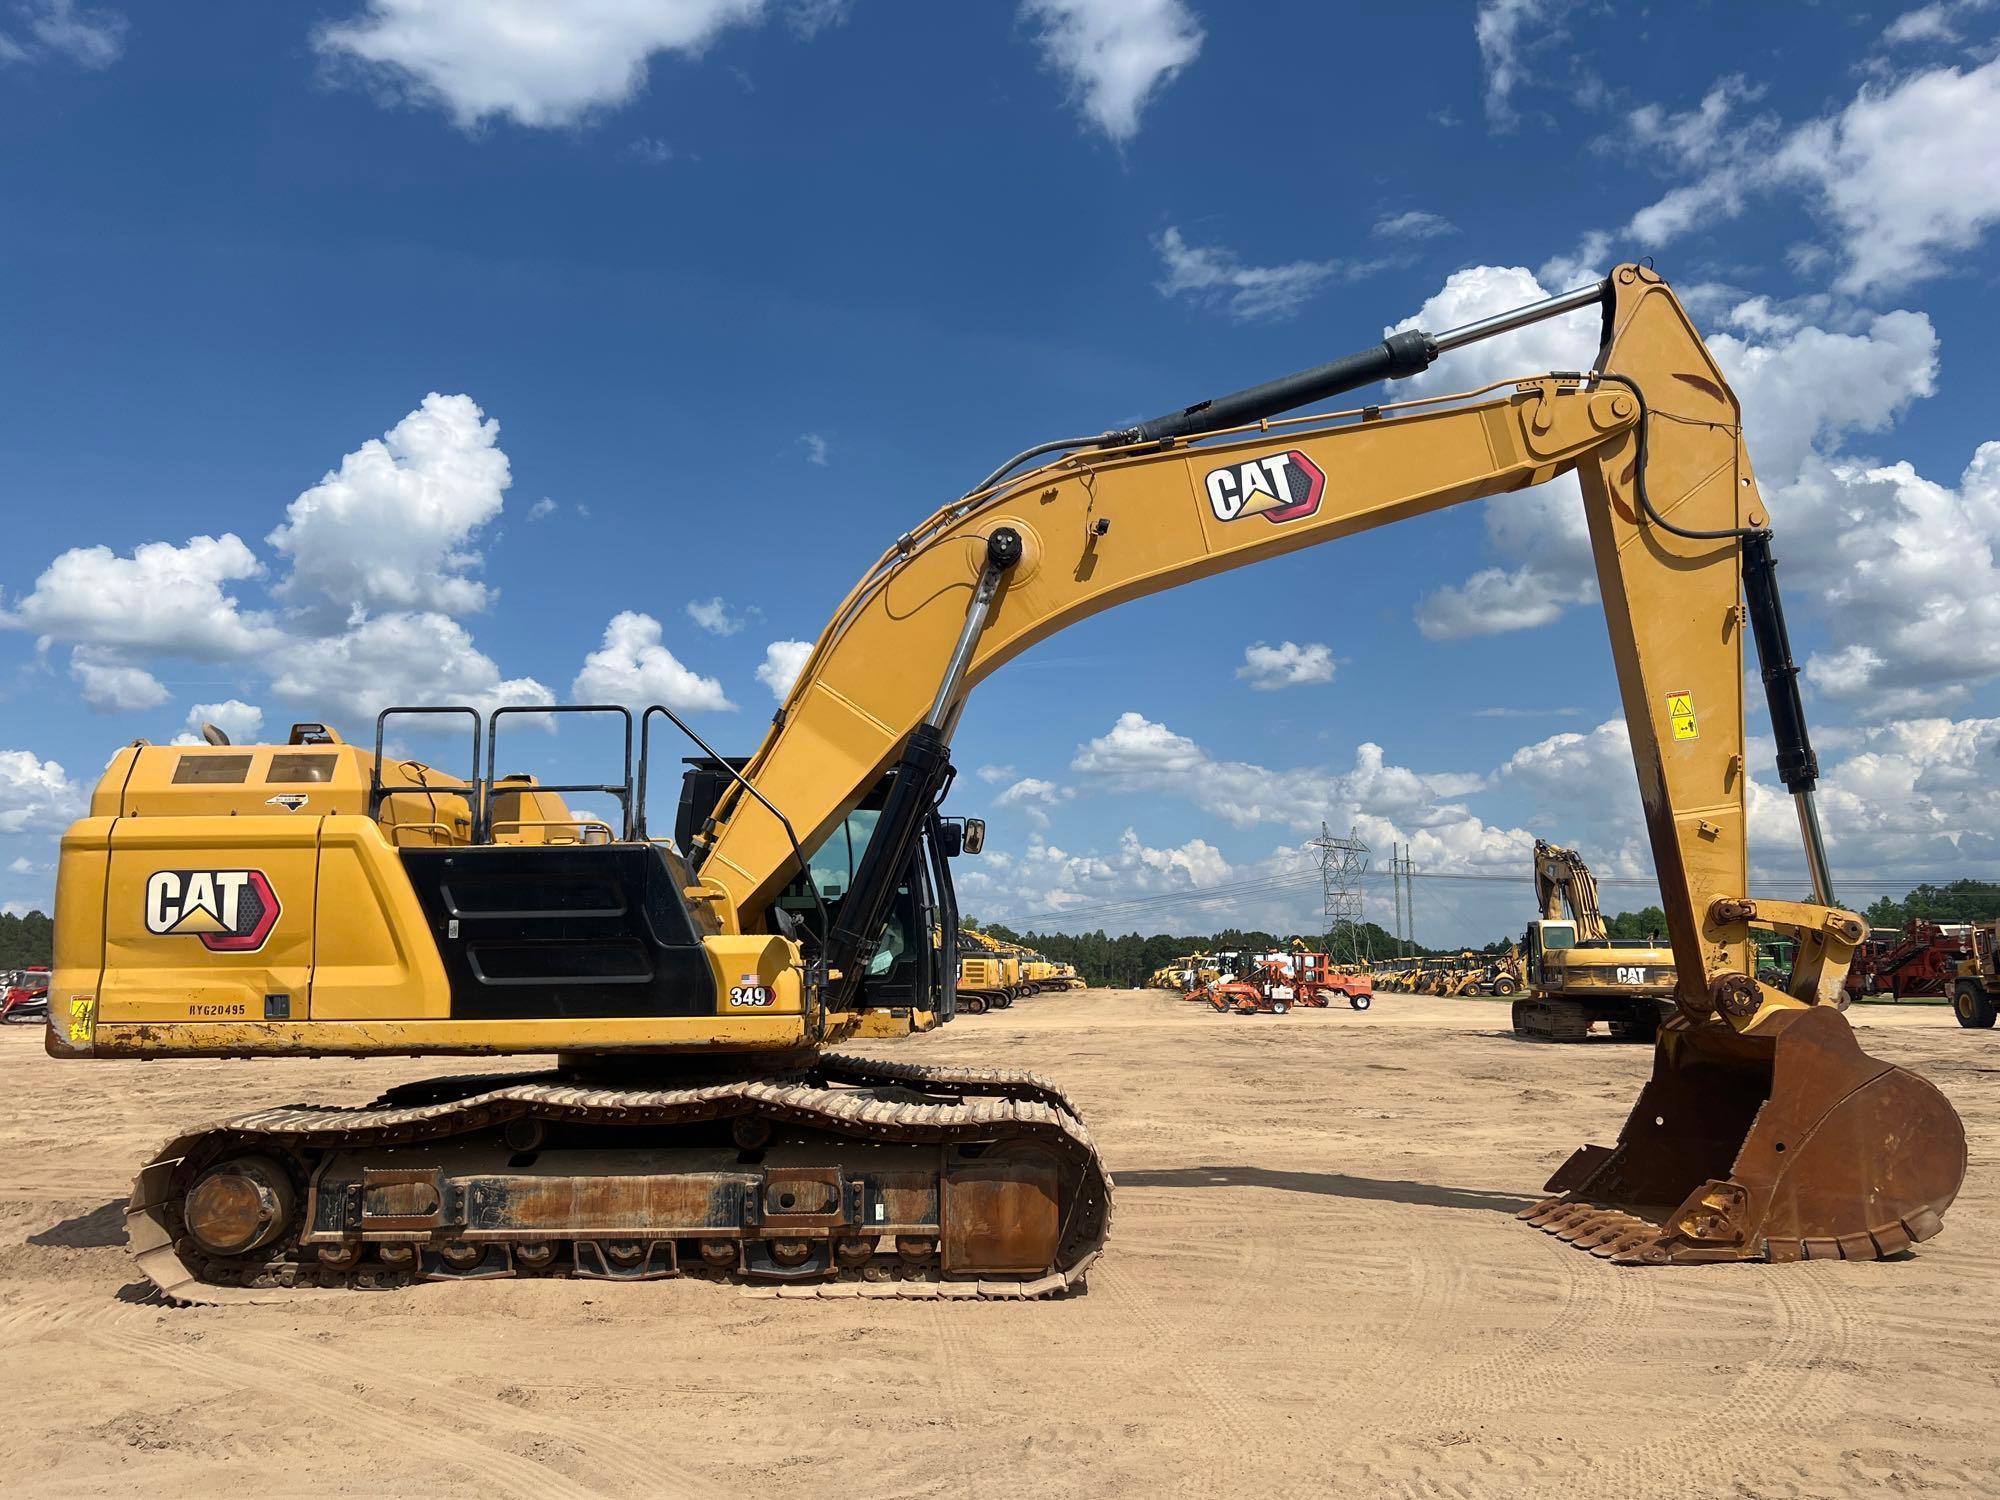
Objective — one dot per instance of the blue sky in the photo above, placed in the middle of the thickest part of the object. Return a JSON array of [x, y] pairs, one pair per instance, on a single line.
[[748, 288]]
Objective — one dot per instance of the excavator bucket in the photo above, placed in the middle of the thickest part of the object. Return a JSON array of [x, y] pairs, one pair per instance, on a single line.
[[1782, 1142]]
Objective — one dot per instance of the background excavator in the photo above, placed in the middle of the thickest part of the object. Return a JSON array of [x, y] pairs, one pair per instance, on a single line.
[[317, 898], [1578, 975]]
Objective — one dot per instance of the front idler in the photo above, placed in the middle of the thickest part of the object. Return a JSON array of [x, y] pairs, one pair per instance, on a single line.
[[1780, 1142]]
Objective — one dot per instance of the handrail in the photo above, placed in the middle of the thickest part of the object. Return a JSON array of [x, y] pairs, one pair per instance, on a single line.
[[816, 975], [621, 792], [378, 793]]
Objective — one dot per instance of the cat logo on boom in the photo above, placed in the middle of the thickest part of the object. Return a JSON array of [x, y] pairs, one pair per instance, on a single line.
[[1279, 487], [231, 911]]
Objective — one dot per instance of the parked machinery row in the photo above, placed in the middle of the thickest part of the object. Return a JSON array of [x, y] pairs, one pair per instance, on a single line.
[[993, 974]]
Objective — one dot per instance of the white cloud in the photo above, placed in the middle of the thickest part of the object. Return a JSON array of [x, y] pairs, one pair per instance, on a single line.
[[994, 775], [714, 616], [1046, 879], [1115, 53], [633, 668], [90, 37], [651, 150], [36, 795], [783, 661], [815, 447], [1287, 664], [1917, 794], [1931, 23], [1805, 390], [1215, 277], [1495, 600], [542, 509], [1414, 224], [1554, 768], [524, 60], [241, 721], [1136, 746], [1505, 31], [391, 528], [1902, 173], [1912, 590], [163, 599], [397, 659], [1698, 134], [808, 18], [1140, 755], [1034, 797], [1908, 174], [1542, 529], [110, 685]]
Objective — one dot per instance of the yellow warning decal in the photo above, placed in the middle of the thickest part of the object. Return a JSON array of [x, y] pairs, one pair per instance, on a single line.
[[82, 1018], [1680, 713]]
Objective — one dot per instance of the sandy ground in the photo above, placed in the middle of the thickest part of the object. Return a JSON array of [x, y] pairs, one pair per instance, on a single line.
[[1314, 1284]]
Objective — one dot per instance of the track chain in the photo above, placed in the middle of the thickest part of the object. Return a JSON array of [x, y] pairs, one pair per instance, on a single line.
[[992, 1101], [1001, 1083]]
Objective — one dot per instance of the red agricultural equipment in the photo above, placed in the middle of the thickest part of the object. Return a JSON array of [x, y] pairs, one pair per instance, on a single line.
[[1921, 959], [24, 995], [1239, 997], [1308, 978]]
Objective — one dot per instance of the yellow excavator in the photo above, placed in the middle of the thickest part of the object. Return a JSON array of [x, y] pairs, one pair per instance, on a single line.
[[317, 899], [989, 976], [1578, 974]]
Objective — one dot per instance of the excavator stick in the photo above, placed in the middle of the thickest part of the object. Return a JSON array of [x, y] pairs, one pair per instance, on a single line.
[[1782, 1142]]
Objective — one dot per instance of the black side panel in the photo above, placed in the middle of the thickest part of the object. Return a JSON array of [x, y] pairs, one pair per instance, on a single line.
[[576, 930]]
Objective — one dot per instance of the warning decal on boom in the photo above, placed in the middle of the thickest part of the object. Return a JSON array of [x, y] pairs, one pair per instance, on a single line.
[[1680, 713]]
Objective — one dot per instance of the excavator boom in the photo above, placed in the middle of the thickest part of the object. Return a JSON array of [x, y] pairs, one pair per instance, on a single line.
[[1564, 882], [1765, 1131]]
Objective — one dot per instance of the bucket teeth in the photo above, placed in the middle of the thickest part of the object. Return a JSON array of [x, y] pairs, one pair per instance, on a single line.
[[1607, 1233]]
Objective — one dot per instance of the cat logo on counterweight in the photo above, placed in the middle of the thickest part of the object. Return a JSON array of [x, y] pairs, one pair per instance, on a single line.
[[231, 911]]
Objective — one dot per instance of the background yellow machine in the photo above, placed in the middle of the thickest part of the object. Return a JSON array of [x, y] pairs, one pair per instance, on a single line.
[[313, 898], [1578, 975]]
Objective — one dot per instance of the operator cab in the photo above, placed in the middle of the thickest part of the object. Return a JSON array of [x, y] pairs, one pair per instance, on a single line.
[[913, 962], [1544, 937]]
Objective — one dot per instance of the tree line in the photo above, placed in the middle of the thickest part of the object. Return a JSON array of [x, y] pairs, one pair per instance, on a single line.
[[1959, 901], [25, 941]]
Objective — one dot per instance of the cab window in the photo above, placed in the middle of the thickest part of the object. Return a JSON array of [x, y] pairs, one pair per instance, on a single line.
[[835, 861]]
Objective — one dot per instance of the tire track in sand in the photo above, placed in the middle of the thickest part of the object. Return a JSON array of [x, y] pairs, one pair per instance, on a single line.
[[1413, 1451], [629, 1463], [1344, 1249], [1813, 1339], [486, 1466]]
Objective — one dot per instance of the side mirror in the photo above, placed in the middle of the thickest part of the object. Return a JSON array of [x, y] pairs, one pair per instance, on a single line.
[[951, 840], [974, 838]]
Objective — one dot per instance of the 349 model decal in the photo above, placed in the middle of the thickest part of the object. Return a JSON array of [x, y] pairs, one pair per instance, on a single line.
[[231, 911], [1279, 487]]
